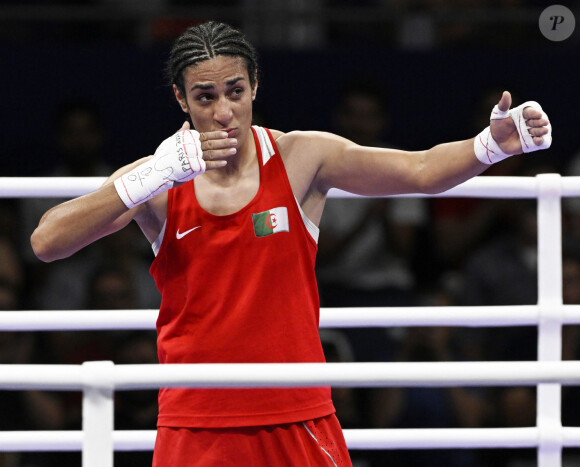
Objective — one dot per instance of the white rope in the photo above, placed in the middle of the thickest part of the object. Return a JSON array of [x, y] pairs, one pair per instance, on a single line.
[[442, 438], [478, 187], [23, 441], [48, 187], [99, 379], [47, 377], [77, 320], [246, 375], [348, 374], [387, 438], [521, 315]]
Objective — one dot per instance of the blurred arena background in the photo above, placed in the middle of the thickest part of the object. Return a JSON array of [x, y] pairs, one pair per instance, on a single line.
[[83, 92]]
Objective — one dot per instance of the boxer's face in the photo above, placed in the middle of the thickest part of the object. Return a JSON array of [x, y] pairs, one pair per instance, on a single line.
[[218, 96]]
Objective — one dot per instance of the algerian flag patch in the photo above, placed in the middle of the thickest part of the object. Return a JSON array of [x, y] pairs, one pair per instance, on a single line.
[[271, 222]]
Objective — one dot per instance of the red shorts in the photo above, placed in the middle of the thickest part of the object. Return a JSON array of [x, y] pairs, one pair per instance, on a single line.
[[317, 443]]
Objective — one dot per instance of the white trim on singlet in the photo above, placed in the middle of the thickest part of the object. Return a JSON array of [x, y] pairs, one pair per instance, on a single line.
[[265, 143], [157, 243], [310, 226], [267, 152]]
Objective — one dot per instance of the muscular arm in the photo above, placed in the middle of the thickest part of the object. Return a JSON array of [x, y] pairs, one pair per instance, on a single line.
[[316, 162], [70, 226], [319, 161], [376, 171]]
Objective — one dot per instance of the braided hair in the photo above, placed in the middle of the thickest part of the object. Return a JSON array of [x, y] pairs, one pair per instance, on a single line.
[[206, 41]]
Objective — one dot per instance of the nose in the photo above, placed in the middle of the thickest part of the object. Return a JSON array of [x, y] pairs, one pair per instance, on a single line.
[[223, 111]]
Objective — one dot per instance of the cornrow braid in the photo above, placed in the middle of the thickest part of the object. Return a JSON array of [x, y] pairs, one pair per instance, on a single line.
[[204, 42]]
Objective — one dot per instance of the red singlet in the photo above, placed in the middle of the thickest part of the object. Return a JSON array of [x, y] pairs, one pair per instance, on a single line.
[[239, 288]]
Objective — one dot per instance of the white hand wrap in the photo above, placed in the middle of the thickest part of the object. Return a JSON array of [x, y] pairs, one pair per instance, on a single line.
[[486, 149], [177, 159], [489, 152], [526, 139]]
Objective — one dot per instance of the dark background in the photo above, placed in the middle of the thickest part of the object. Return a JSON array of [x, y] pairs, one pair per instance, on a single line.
[[113, 53], [431, 92]]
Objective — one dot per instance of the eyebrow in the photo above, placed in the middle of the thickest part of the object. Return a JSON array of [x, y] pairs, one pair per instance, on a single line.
[[205, 87]]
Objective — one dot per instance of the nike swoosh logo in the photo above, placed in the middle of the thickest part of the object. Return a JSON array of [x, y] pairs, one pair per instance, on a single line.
[[180, 235]]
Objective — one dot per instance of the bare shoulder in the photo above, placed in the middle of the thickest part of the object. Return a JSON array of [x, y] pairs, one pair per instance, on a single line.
[[276, 134], [303, 154], [316, 143]]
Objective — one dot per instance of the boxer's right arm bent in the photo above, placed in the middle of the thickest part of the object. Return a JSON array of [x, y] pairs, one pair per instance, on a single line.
[[137, 191], [74, 224]]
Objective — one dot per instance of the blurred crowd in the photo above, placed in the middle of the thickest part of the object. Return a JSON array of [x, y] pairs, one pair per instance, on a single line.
[[440, 252], [372, 252], [299, 24]]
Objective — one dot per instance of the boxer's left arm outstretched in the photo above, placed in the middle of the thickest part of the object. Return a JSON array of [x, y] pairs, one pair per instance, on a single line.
[[340, 163]]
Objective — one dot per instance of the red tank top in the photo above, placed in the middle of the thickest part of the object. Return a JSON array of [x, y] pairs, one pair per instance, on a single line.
[[239, 288]]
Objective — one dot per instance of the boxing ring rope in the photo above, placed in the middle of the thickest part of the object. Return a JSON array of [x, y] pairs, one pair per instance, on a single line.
[[478, 187], [99, 380]]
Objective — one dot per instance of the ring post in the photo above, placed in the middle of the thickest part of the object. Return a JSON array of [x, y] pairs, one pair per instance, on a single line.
[[548, 412], [98, 413]]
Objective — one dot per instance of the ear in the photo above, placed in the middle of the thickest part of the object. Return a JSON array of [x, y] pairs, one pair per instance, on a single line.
[[181, 99], [255, 90]]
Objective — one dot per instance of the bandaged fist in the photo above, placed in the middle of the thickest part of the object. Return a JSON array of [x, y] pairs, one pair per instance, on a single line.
[[189, 153], [525, 128], [179, 158]]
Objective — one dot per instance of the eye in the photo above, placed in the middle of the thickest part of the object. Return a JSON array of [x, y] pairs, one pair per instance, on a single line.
[[237, 92], [204, 97]]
